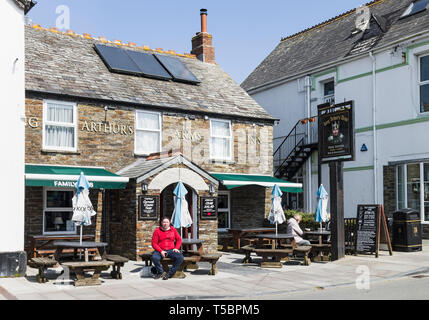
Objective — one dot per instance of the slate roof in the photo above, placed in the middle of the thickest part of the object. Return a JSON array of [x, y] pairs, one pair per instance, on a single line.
[[68, 65], [331, 40], [26, 5]]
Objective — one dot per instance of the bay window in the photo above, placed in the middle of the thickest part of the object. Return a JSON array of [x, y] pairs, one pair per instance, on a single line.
[[412, 188]]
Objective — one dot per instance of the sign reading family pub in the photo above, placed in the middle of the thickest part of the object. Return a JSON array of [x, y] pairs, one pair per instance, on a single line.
[[336, 132], [208, 208], [148, 207]]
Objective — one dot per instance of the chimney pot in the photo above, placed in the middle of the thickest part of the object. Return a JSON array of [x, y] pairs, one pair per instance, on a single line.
[[203, 13]]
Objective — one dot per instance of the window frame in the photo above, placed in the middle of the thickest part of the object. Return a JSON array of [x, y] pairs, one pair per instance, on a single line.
[[60, 124], [55, 209], [419, 82], [140, 152], [331, 97], [405, 189], [227, 193], [231, 149]]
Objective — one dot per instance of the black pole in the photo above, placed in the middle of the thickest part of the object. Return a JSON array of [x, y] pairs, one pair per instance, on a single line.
[[337, 210]]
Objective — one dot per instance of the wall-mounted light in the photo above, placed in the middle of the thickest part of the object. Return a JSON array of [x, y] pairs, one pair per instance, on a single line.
[[144, 186], [206, 118], [212, 189]]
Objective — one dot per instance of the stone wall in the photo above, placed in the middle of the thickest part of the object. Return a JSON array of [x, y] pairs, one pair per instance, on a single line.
[[111, 145]]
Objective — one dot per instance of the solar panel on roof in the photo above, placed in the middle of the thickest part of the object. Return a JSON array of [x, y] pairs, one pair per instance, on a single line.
[[148, 64], [176, 68], [117, 60]]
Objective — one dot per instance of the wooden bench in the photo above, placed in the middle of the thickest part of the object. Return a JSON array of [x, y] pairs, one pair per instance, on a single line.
[[80, 267], [276, 256], [321, 252], [247, 252], [211, 258], [147, 258], [119, 262], [42, 264], [303, 250]]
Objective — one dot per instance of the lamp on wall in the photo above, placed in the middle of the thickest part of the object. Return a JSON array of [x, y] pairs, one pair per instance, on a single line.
[[212, 189], [144, 186]]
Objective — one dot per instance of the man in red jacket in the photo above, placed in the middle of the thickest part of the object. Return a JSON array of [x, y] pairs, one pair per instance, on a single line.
[[166, 241]]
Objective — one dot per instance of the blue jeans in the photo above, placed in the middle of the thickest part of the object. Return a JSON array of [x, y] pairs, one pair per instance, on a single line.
[[175, 256]]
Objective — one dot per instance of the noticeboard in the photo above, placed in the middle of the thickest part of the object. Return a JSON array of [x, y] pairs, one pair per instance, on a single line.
[[148, 207], [369, 223], [336, 132], [208, 208]]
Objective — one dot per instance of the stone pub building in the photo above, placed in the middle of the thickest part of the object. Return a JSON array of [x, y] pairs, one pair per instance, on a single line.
[[136, 121]]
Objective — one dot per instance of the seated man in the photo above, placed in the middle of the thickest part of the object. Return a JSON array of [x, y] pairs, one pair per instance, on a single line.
[[293, 227], [166, 241]]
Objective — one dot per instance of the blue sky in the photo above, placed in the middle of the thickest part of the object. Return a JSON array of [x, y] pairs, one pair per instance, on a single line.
[[244, 31]]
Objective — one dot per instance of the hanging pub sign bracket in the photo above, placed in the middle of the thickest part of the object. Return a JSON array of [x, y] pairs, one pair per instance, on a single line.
[[336, 132]]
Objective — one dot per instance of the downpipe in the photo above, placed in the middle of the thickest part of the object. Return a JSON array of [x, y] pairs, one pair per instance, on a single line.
[[374, 123]]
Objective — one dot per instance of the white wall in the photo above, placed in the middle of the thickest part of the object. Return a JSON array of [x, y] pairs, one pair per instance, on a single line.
[[12, 127], [397, 101]]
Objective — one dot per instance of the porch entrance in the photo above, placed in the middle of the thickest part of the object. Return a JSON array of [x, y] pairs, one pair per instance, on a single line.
[[167, 209]]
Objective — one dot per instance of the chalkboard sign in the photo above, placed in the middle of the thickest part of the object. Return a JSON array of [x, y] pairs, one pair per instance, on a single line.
[[369, 218], [208, 208], [148, 207]]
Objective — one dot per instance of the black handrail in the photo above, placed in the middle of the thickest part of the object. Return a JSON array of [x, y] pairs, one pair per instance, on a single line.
[[301, 142]]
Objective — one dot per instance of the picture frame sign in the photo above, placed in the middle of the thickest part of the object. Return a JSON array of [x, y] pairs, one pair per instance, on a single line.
[[208, 208], [148, 207], [336, 132]]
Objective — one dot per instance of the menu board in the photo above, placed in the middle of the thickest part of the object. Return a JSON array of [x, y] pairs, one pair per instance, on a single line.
[[148, 207], [208, 208], [367, 228]]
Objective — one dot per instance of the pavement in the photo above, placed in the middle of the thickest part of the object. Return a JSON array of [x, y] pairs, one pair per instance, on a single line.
[[234, 280]]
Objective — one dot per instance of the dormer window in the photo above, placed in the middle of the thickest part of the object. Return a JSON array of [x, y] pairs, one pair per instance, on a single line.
[[415, 7]]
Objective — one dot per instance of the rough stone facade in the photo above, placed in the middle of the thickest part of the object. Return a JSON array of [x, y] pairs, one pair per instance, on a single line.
[[111, 145]]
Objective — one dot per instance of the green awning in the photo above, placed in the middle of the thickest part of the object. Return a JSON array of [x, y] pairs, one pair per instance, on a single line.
[[232, 180], [66, 177]]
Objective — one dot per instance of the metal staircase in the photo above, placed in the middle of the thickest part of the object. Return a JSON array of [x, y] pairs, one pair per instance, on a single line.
[[295, 149]]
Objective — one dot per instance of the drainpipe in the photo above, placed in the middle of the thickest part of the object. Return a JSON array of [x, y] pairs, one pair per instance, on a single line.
[[374, 123], [308, 102]]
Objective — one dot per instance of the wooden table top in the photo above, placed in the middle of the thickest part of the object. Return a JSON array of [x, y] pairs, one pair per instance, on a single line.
[[318, 233], [61, 237], [192, 241], [274, 236], [77, 244], [262, 229]]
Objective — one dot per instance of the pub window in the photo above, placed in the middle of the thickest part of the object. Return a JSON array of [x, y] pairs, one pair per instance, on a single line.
[[329, 92], [148, 132], [412, 188], [59, 126], [223, 210], [220, 140], [58, 212], [424, 83]]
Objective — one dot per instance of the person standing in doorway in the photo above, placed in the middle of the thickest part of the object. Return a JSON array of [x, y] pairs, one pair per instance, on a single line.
[[166, 241]]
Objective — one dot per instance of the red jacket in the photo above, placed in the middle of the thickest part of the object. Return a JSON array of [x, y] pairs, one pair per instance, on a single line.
[[164, 240]]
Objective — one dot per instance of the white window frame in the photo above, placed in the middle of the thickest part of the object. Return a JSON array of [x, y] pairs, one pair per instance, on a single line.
[[139, 152], [421, 83], [231, 149], [227, 193], [47, 123], [405, 179], [330, 97], [46, 209]]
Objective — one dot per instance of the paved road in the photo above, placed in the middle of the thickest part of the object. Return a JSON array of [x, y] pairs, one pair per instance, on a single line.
[[415, 287]]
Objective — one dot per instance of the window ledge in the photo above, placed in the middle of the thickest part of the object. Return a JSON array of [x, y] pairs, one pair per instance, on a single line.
[[48, 151], [222, 161]]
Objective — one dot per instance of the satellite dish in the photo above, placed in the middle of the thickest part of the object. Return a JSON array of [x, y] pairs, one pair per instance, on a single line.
[[363, 16]]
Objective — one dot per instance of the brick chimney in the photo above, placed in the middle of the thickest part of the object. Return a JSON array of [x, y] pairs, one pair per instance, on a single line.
[[202, 43]]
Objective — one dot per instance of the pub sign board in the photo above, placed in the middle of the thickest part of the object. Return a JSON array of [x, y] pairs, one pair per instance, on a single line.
[[208, 208], [336, 132], [148, 207]]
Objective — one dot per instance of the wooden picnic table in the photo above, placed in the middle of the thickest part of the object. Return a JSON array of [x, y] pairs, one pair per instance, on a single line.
[[237, 233], [41, 245], [276, 238], [187, 245], [320, 233], [75, 245]]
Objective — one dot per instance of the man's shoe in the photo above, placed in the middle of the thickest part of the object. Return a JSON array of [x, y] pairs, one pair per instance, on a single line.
[[167, 276], [158, 275]]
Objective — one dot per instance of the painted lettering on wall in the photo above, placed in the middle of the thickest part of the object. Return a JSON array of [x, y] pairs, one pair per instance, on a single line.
[[188, 135], [109, 128]]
